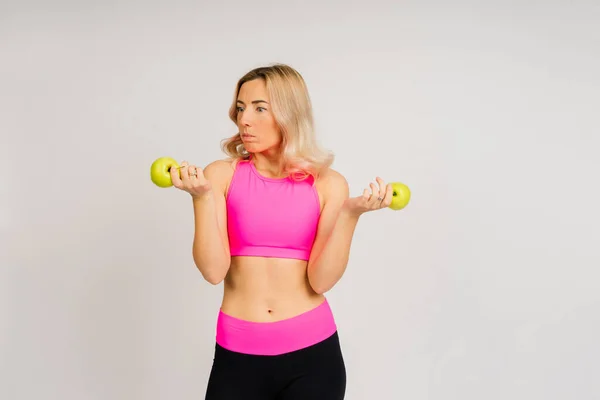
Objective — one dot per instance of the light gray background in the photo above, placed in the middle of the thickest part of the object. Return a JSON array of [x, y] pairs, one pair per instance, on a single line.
[[485, 287]]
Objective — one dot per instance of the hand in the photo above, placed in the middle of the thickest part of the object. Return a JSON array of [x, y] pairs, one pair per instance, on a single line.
[[192, 180], [379, 197]]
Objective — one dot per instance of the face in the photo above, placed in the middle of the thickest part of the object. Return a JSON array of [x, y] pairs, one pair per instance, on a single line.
[[255, 118]]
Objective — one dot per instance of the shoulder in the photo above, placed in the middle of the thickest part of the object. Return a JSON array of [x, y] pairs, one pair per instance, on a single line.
[[333, 184], [332, 177], [220, 171], [222, 166]]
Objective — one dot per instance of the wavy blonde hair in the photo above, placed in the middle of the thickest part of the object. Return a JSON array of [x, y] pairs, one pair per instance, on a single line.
[[302, 156]]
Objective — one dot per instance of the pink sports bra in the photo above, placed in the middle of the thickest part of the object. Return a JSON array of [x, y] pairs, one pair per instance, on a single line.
[[271, 217]]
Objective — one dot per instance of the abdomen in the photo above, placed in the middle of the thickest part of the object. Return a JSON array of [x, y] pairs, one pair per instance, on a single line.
[[265, 289]]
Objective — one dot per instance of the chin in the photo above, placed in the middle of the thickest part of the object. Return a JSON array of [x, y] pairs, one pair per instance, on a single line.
[[256, 147], [251, 147]]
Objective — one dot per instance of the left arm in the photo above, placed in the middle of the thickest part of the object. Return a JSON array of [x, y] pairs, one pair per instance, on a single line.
[[331, 249]]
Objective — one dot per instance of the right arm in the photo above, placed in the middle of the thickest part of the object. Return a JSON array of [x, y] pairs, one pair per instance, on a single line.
[[211, 244]]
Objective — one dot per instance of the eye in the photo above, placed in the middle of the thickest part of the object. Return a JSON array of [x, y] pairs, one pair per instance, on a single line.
[[261, 109], [240, 109]]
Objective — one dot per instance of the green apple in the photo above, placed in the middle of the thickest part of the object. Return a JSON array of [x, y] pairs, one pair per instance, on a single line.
[[160, 171], [400, 197]]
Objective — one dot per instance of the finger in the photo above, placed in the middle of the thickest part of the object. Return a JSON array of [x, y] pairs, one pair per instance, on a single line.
[[199, 175], [382, 187], [373, 201], [192, 172], [389, 194], [185, 177], [176, 177], [366, 195]]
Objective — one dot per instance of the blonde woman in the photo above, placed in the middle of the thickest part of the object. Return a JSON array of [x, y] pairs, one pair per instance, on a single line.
[[275, 222]]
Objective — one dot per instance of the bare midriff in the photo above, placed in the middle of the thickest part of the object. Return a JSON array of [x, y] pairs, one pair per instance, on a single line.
[[262, 289]]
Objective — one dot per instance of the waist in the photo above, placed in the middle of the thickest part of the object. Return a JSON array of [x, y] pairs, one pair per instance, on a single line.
[[263, 289], [278, 337]]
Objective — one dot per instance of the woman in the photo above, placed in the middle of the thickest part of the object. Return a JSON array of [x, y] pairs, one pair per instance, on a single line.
[[275, 222]]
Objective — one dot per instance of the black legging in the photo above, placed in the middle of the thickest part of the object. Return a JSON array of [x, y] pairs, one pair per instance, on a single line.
[[317, 372]]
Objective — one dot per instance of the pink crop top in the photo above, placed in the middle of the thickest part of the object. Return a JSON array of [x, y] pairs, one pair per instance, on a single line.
[[271, 217]]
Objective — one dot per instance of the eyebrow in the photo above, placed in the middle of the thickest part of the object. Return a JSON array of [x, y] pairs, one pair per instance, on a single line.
[[254, 102]]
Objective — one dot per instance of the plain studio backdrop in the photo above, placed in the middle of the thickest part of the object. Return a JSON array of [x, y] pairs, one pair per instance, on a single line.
[[484, 287]]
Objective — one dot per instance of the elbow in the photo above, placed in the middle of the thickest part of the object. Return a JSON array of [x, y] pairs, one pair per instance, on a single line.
[[322, 283], [212, 271], [212, 279], [214, 276], [319, 287], [320, 290]]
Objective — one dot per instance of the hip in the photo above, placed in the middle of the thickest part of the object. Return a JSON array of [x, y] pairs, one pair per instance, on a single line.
[[317, 372], [276, 337]]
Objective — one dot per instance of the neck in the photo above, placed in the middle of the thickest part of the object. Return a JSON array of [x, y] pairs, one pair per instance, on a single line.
[[268, 163]]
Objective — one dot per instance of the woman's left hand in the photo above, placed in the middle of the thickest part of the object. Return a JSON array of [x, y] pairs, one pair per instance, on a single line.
[[380, 196]]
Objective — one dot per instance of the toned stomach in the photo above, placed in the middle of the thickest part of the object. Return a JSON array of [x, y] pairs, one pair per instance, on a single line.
[[267, 289]]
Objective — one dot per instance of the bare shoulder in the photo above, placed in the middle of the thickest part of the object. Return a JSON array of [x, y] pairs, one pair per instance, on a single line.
[[222, 166], [333, 184], [219, 172], [332, 177]]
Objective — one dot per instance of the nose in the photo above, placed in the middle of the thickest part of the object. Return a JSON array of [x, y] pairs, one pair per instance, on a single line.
[[245, 118]]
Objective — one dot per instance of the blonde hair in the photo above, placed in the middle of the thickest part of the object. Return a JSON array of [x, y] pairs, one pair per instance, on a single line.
[[292, 108]]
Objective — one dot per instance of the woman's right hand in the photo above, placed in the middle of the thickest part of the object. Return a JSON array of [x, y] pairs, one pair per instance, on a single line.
[[190, 178]]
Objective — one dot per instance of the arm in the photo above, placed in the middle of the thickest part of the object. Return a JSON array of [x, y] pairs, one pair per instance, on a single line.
[[211, 245], [331, 249]]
